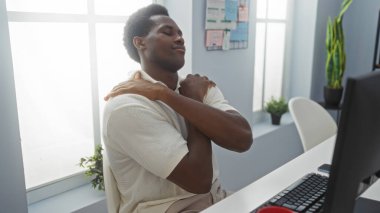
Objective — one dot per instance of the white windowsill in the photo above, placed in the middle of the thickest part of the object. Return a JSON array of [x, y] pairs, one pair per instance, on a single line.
[[69, 201], [265, 127], [85, 196]]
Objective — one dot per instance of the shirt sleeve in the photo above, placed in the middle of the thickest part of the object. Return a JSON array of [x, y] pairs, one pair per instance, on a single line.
[[147, 137], [215, 98]]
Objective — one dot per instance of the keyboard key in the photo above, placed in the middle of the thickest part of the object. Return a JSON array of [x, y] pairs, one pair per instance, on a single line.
[[300, 208], [281, 201], [304, 195], [293, 207]]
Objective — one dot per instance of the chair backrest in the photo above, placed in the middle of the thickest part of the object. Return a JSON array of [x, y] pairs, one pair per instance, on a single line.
[[314, 124], [112, 192]]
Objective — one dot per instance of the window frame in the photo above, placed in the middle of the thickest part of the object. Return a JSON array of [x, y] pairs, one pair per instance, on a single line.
[[261, 115], [51, 188]]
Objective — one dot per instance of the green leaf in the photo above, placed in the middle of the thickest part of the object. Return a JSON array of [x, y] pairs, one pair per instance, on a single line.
[[343, 8], [94, 166], [335, 56], [329, 34], [329, 68], [277, 107]]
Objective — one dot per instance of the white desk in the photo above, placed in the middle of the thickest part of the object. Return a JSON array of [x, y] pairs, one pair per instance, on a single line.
[[258, 192]]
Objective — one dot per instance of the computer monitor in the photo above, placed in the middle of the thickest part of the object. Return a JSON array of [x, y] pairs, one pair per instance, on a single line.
[[376, 56], [357, 149]]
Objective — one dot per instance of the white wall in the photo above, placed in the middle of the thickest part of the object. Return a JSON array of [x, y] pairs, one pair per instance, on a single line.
[[12, 182], [359, 25], [302, 48], [181, 12], [326, 8], [231, 70], [268, 152]]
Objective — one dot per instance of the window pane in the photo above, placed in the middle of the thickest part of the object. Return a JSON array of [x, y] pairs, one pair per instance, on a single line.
[[274, 60], [261, 9], [51, 67], [119, 7], [277, 9], [48, 6], [114, 64], [259, 67]]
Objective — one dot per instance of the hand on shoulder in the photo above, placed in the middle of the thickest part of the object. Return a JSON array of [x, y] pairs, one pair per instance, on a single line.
[[138, 86], [195, 87]]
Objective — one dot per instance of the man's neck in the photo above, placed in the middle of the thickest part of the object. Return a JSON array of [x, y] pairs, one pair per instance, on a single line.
[[167, 77]]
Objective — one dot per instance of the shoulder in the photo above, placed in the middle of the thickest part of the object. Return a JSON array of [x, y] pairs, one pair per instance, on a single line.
[[215, 98], [123, 101], [128, 104], [126, 100]]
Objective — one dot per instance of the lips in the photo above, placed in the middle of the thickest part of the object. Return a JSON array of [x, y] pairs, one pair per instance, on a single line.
[[179, 48]]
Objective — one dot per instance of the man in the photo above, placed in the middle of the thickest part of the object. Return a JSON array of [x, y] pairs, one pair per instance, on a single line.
[[158, 128]]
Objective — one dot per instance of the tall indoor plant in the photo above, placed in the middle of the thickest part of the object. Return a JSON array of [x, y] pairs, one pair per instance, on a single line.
[[336, 57]]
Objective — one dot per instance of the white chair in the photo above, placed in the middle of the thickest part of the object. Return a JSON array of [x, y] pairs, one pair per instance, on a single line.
[[112, 192], [314, 124]]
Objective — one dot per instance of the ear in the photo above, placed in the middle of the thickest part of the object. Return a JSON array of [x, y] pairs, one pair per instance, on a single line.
[[138, 42]]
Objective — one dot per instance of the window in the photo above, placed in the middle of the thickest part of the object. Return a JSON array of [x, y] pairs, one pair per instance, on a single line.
[[271, 23], [66, 55]]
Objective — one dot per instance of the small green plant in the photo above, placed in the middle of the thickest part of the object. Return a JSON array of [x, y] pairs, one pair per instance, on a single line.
[[276, 107], [94, 166], [336, 55]]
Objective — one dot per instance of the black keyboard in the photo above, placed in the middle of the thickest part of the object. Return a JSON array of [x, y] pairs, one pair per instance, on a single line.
[[305, 195]]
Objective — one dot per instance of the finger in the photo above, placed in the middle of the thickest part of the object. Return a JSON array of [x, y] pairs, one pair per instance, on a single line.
[[116, 87], [137, 76], [211, 84], [113, 94], [197, 75], [205, 77], [120, 86], [189, 75], [108, 96]]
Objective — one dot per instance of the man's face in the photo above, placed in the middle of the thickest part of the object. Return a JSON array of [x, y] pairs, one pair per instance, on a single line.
[[164, 45]]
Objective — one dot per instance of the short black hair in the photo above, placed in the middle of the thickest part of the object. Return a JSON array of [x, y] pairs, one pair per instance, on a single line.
[[139, 24]]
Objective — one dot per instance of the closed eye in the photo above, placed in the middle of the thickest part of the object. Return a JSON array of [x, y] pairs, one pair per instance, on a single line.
[[167, 32]]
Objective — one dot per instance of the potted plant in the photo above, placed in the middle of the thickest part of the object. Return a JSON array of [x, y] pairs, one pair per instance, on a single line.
[[336, 57], [276, 108], [94, 165]]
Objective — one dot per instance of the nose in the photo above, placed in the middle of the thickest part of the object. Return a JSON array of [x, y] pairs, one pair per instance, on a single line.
[[179, 39]]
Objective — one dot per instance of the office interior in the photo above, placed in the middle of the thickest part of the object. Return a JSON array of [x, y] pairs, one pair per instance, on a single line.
[[233, 71]]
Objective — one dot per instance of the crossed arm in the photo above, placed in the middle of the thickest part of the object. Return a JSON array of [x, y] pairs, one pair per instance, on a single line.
[[228, 129]]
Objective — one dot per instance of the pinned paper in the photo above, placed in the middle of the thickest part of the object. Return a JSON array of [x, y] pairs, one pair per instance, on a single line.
[[227, 24], [231, 10], [243, 14], [226, 39], [216, 16], [214, 38], [240, 33]]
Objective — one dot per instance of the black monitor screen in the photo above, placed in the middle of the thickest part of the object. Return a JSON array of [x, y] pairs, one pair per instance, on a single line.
[[357, 149]]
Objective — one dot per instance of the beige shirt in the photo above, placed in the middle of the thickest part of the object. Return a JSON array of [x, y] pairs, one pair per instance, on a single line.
[[145, 140]]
